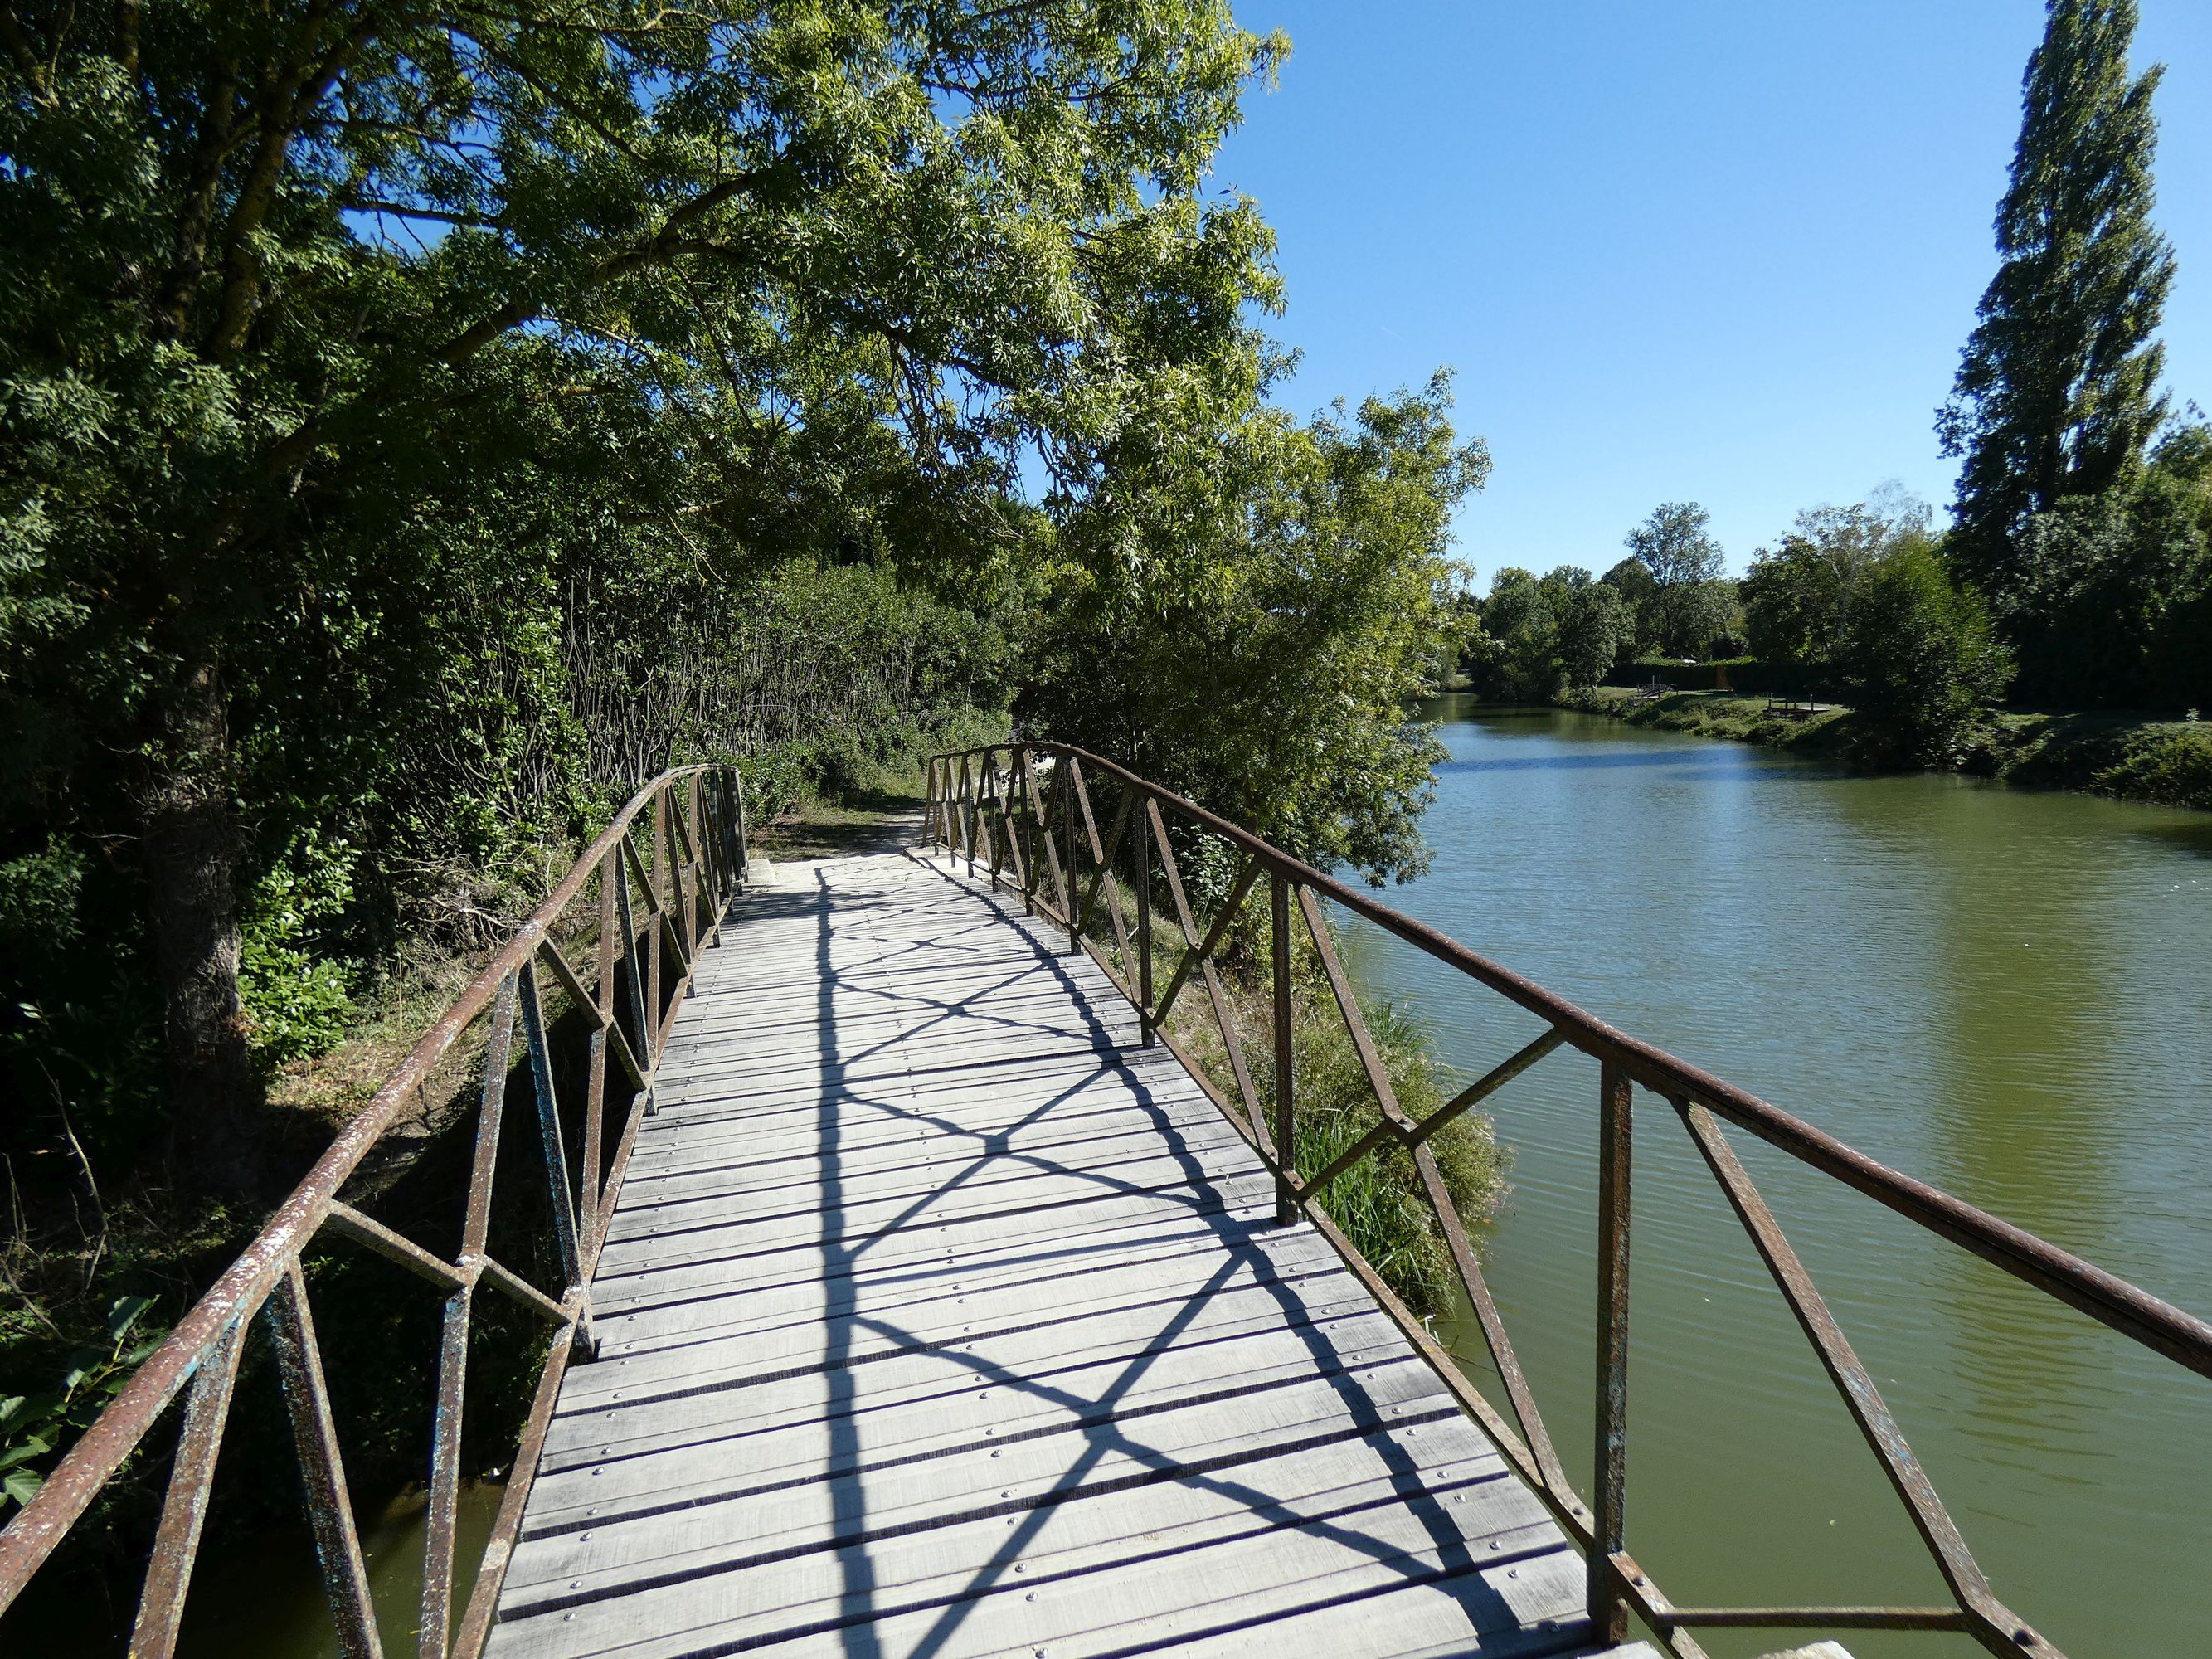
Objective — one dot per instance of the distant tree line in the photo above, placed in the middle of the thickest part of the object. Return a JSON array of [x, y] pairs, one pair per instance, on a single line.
[[1542, 635], [2077, 571]]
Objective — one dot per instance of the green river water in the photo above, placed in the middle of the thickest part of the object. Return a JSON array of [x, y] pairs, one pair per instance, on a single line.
[[2006, 992]]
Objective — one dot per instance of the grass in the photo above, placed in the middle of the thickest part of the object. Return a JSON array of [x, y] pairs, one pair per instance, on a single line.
[[1378, 1202], [1720, 714], [2130, 756]]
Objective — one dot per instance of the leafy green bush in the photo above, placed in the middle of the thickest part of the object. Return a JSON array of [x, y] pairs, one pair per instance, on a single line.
[[1923, 661], [33, 1426], [296, 1000]]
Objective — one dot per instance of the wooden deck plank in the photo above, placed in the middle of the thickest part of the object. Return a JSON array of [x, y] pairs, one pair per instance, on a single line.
[[938, 1317]]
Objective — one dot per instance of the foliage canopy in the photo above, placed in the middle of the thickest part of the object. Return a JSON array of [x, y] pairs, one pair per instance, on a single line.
[[424, 421], [2056, 391]]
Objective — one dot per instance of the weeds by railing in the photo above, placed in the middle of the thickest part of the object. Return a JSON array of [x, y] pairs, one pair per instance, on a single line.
[[655, 906], [1025, 814]]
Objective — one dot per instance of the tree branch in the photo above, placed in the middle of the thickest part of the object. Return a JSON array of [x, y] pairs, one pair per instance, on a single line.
[[662, 245], [26, 60], [370, 204], [289, 102]]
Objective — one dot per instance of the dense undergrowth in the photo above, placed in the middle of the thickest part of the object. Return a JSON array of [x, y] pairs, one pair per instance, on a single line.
[[93, 1273]]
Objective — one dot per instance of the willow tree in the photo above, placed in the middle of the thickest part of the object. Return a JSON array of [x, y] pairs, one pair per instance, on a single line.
[[303, 303], [2056, 393]]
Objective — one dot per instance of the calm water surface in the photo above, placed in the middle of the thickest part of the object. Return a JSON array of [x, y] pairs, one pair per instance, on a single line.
[[2006, 992]]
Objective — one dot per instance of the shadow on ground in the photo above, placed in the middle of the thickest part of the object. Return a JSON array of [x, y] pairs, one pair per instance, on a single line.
[[867, 823]]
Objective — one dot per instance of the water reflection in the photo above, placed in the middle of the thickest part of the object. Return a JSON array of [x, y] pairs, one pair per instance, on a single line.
[[263, 1598], [1999, 990]]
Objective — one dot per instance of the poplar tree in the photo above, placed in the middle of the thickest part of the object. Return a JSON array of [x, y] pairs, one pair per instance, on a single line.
[[2056, 391]]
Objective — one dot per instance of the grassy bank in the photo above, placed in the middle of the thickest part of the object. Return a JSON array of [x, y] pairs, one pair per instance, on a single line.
[[2125, 756]]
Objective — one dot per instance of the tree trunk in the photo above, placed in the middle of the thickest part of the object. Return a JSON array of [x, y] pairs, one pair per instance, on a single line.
[[191, 844]]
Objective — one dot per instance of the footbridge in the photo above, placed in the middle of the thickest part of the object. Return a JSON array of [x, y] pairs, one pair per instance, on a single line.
[[925, 1261]]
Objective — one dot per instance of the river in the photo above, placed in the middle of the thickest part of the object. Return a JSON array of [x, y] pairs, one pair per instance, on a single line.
[[2007, 993]]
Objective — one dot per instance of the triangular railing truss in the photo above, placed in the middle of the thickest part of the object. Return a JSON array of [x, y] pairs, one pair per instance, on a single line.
[[1023, 815], [659, 879]]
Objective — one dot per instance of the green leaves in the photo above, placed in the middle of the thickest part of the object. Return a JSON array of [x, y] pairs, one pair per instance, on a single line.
[[34, 1426], [1924, 659], [1248, 606], [2056, 393]]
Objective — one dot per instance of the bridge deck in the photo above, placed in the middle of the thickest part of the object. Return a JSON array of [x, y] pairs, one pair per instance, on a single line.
[[937, 1318]]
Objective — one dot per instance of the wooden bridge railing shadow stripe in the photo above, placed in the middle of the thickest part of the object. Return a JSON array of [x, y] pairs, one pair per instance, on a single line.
[[667, 896], [1025, 812]]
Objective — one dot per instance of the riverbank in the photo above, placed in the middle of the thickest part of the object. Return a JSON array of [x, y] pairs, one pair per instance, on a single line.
[[2126, 757]]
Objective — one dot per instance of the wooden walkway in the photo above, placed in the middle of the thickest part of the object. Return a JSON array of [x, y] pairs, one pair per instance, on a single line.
[[937, 1318]]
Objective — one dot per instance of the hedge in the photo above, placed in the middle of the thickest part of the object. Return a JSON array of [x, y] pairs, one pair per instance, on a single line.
[[1745, 674]]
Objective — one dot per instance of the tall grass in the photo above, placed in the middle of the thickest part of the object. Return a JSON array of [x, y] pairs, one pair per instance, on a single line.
[[1379, 1202]]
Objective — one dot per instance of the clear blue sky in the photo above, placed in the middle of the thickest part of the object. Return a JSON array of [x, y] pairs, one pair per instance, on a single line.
[[1723, 251]]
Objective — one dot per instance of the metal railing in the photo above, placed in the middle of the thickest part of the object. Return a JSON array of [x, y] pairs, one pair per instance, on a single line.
[[1024, 813], [655, 906]]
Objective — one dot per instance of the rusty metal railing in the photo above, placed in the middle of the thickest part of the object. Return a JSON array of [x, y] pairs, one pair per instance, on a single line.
[[656, 905], [1025, 815]]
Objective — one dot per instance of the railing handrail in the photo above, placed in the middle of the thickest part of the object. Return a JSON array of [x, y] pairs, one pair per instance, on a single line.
[[1009, 819], [259, 1271], [2103, 1296]]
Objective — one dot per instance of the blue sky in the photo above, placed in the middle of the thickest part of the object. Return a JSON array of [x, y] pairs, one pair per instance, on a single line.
[[1723, 251]]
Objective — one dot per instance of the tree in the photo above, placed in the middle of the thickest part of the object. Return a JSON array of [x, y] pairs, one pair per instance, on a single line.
[[1593, 626], [1638, 593], [2115, 596], [2057, 390], [1797, 599], [1709, 619], [1793, 605], [1923, 659], [1517, 659], [1672, 545], [330, 331], [1250, 631]]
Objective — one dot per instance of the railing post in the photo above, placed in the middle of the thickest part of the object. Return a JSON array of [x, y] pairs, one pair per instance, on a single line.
[[1609, 1612], [993, 830], [738, 811], [968, 813], [1279, 907], [657, 883], [322, 1466], [1019, 821], [595, 1078], [1142, 851], [1064, 776]]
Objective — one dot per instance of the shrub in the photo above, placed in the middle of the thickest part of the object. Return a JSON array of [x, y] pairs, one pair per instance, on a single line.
[[1923, 662], [296, 998]]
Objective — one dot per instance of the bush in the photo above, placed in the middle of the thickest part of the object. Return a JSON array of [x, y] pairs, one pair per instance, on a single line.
[[2115, 602], [1923, 662], [297, 997]]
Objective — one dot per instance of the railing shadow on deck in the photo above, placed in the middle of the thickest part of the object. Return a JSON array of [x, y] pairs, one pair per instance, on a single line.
[[643, 912], [1024, 815], [1098, 1433]]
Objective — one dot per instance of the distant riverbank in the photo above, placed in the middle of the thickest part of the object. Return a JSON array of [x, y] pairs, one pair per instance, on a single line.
[[2168, 761]]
